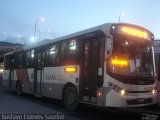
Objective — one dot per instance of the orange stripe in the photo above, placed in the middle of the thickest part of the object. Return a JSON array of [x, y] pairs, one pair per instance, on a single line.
[[22, 75]]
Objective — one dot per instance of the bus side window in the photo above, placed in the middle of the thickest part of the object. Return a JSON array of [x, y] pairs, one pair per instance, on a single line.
[[7, 62], [27, 59], [64, 49], [12, 62], [32, 59], [39, 61], [20, 60], [87, 53], [72, 46], [47, 58], [53, 54]]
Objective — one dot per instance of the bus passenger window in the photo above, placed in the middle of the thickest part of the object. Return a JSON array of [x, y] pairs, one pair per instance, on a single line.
[[27, 59], [72, 47], [32, 54], [39, 61], [20, 61], [53, 50], [32, 59], [63, 48], [7, 62], [53, 54], [47, 59], [87, 53]]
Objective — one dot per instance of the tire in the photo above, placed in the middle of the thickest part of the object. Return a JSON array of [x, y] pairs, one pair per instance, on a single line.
[[70, 98], [18, 88]]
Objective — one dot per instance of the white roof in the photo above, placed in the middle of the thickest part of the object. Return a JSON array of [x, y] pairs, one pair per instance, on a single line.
[[104, 27]]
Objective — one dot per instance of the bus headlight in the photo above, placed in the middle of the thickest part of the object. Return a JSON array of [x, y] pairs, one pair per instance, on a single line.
[[122, 92], [153, 91], [118, 89]]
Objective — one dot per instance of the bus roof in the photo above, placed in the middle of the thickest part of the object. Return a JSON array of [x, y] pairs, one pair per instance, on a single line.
[[48, 41], [104, 27]]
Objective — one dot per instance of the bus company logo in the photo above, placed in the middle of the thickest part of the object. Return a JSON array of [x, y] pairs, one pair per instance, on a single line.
[[53, 77], [149, 117]]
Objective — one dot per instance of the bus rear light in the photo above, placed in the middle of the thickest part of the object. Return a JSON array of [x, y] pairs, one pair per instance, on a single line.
[[70, 69]]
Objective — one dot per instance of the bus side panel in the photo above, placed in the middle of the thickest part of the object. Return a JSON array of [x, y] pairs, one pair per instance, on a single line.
[[55, 78], [30, 79]]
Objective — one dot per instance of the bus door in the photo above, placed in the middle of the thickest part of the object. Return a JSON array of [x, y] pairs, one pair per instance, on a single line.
[[11, 73], [39, 72], [89, 70]]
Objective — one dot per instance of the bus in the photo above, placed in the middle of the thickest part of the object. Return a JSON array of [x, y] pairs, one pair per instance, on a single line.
[[157, 63], [108, 65]]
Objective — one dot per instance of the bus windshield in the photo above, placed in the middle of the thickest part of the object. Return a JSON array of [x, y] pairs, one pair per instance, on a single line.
[[132, 59]]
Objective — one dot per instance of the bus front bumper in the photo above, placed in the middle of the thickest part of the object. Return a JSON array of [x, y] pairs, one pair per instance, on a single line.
[[114, 99]]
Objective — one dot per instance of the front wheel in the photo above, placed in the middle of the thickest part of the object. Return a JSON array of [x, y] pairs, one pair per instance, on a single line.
[[71, 98]]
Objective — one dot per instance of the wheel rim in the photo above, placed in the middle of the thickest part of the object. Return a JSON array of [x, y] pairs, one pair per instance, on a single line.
[[71, 98]]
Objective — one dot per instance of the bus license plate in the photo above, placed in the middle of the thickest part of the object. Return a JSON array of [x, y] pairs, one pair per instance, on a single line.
[[140, 100]]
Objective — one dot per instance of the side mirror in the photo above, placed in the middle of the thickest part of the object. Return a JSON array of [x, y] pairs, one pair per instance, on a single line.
[[109, 46]]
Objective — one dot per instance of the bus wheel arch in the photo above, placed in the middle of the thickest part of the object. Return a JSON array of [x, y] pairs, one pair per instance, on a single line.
[[70, 97], [18, 87]]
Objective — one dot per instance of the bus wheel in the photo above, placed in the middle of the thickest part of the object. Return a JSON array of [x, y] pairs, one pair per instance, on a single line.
[[71, 98], [18, 88]]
